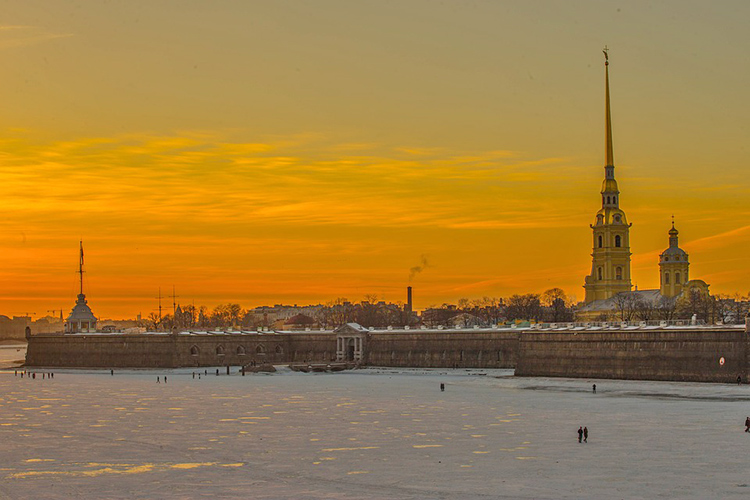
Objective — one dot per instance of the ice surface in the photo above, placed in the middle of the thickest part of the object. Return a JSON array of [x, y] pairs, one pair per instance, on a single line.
[[367, 434]]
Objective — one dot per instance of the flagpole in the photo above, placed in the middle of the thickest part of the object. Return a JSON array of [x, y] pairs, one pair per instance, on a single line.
[[80, 266]]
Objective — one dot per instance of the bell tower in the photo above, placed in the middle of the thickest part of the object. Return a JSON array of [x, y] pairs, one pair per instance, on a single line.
[[610, 265], [673, 267]]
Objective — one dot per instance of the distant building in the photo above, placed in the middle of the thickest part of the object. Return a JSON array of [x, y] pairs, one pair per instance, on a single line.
[[14, 328]]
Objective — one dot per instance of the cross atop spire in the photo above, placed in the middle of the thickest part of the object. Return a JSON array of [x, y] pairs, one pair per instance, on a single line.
[[610, 162]]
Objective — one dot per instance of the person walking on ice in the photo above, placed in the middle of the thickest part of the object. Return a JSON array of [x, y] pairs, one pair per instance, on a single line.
[[580, 434], [585, 434], [594, 387], [747, 424]]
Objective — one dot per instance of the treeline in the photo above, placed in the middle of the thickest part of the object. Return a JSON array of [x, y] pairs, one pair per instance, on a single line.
[[694, 303], [552, 306]]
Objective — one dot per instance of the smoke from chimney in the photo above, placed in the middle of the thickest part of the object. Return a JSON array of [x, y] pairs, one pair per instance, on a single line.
[[418, 269]]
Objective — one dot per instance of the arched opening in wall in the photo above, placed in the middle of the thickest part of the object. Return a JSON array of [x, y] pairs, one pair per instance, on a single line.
[[666, 278], [608, 200], [240, 350], [427, 355], [295, 356], [393, 355], [309, 355], [677, 278], [194, 351], [279, 350], [408, 355], [260, 350], [219, 350], [618, 241], [499, 357], [599, 273], [618, 273], [479, 356], [601, 243], [461, 356], [614, 200], [444, 355]]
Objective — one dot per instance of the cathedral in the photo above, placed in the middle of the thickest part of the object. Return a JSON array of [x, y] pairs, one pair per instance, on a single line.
[[610, 281]]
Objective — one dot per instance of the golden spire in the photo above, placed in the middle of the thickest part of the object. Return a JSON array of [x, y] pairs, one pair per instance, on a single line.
[[610, 155]]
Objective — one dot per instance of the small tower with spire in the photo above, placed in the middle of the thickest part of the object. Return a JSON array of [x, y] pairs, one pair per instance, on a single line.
[[80, 319], [673, 267], [610, 267]]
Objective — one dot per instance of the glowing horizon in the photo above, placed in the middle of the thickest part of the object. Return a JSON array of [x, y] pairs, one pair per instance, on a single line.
[[324, 152]]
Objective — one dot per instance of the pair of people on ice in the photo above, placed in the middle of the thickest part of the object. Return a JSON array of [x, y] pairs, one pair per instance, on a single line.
[[583, 434]]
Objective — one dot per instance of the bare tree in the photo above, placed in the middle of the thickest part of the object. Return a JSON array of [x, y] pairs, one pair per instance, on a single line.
[[626, 304], [666, 308], [557, 305], [524, 307]]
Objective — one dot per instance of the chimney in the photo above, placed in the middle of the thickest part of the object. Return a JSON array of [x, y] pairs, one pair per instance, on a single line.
[[408, 306]]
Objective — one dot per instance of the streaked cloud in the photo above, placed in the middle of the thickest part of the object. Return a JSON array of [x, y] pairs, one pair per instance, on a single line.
[[22, 36]]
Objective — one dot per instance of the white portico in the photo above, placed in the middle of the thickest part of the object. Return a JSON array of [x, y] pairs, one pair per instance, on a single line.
[[350, 341]]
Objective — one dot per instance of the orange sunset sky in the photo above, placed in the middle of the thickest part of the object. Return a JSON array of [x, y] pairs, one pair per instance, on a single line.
[[298, 151]]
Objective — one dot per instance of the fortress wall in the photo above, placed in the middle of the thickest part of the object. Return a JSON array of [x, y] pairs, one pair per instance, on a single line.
[[167, 351], [671, 354], [103, 351], [465, 349], [680, 355]]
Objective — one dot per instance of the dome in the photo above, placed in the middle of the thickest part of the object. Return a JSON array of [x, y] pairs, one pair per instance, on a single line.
[[610, 215], [675, 253], [81, 311], [610, 186]]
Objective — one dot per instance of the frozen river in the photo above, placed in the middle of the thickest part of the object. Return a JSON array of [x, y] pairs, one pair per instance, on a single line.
[[368, 434]]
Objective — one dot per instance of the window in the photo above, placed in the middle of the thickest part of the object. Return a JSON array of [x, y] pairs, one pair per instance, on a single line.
[[618, 241], [618, 273], [614, 200], [219, 350], [194, 350], [600, 243], [666, 278], [607, 200], [677, 278], [240, 350], [260, 350], [599, 273], [279, 350]]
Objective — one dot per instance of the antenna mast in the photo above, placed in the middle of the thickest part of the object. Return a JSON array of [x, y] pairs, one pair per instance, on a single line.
[[159, 297], [174, 305], [80, 266]]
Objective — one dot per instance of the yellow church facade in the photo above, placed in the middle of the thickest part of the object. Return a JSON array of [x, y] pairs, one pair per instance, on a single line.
[[610, 277]]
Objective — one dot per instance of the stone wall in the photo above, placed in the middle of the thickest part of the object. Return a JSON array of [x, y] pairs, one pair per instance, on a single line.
[[644, 354], [442, 349], [432, 348], [667, 354], [168, 351]]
